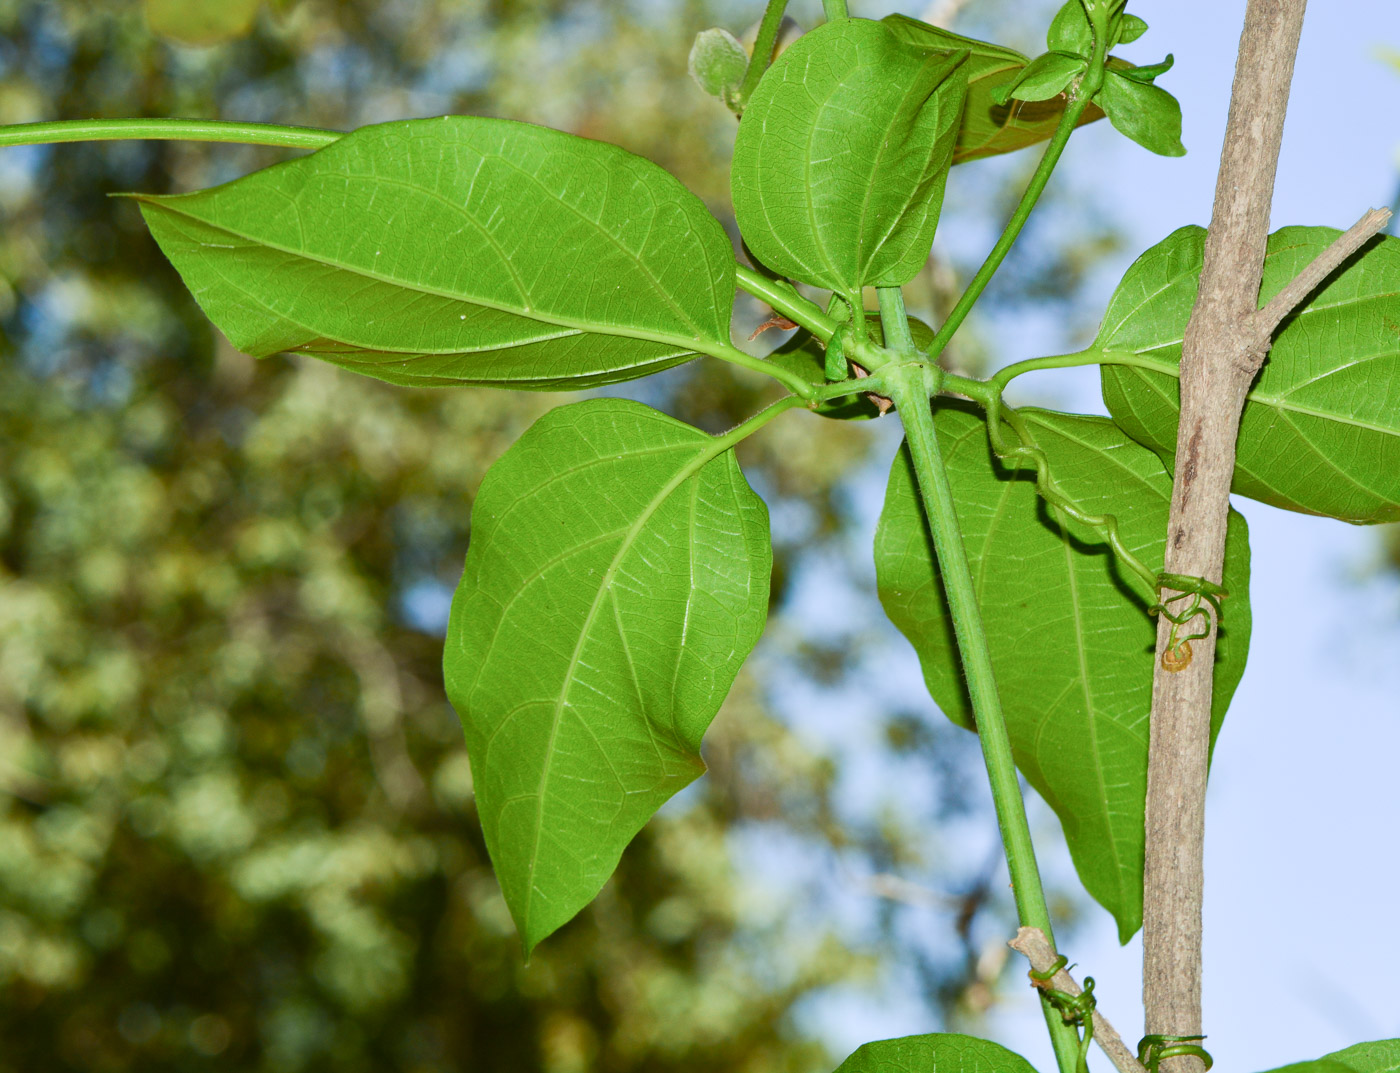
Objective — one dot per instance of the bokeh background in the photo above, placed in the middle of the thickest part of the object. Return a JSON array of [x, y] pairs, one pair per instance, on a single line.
[[236, 820]]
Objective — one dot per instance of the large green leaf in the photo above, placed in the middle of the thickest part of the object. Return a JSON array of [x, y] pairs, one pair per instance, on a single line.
[[617, 578], [989, 128], [943, 1052], [842, 155], [1320, 431], [1382, 1056], [1071, 640], [458, 250]]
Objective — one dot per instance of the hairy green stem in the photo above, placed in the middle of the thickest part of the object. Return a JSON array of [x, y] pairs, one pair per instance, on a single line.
[[894, 322], [907, 387], [763, 44], [1068, 121], [783, 297], [169, 130], [726, 440]]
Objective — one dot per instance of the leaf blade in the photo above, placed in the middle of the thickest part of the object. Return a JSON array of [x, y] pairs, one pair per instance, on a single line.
[[1320, 431], [842, 155], [616, 580], [1067, 690], [443, 247]]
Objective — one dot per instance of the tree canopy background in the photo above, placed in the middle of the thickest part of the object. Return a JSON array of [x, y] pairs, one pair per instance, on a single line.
[[236, 822]]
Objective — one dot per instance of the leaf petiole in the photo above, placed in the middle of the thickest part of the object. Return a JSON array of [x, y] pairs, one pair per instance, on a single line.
[[783, 297], [762, 54]]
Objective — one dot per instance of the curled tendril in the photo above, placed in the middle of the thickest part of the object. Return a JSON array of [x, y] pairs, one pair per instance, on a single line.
[[1177, 655], [1076, 1010], [1153, 1049], [1025, 452]]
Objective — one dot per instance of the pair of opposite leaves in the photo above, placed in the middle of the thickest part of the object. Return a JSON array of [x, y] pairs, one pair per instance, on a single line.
[[448, 251]]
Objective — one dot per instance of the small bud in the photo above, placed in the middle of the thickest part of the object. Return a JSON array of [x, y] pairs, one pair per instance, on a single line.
[[718, 63]]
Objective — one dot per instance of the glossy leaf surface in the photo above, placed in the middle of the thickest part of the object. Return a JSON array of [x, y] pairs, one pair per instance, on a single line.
[[616, 579], [1321, 428], [1382, 1056], [990, 128], [842, 155], [458, 251], [945, 1052], [1071, 640]]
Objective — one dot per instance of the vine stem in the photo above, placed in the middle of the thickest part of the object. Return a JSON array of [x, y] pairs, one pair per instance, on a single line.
[[907, 385], [762, 49], [784, 298], [168, 130]]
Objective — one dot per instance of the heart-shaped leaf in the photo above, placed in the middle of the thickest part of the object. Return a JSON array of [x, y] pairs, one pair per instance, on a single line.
[[990, 127], [945, 1052], [1071, 641], [616, 580], [842, 155], [1320, 431], [459, 250]]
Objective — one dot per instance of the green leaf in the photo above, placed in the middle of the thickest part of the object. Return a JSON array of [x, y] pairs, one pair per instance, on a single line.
[[1320, 431], [201, 22], [1046, 77], [1071, 641], [450, 251], [1147, 114], [1130, 28], [804, 355], [616, 580], [944, 1052], [842, 155], [1070, 30], [1382, 1056], [989, 127], [718, 63]]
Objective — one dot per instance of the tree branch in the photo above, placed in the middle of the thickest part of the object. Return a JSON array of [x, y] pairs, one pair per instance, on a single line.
[[1221, 355], [1032, 943], [1321, 266]]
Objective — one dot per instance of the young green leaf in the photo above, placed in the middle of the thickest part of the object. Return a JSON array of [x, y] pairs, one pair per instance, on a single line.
[[1071, 641], [1047, 76], [449, 251], [945, 1052], [1147, 114], [842, 155], [1129, 29], [1382, 1056], [616, 580], [989, 127], [1070, 30], [1320, 431]]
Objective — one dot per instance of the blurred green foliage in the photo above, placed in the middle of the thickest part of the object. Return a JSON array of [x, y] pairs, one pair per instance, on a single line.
[[236, 820]]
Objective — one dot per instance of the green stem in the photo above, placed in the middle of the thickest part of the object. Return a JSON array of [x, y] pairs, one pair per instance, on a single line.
[[1068, 121], [763, 44], [170, 130], [792, 381], [728, 439], [906, 384], [785, 299], [834, 9], [894, 322]]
